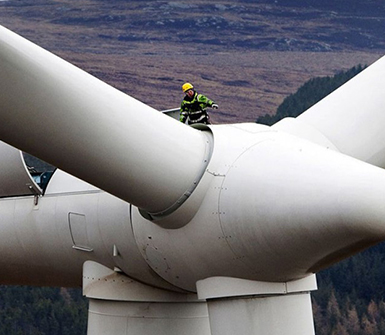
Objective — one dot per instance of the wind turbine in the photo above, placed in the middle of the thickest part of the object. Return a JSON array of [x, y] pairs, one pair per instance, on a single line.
[[172, 229]]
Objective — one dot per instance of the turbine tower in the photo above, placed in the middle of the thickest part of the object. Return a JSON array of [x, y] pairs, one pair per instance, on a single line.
[[171, 229]]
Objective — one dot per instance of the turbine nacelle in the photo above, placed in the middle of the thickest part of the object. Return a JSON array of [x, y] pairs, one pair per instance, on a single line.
[[270, 207], [252, 209]]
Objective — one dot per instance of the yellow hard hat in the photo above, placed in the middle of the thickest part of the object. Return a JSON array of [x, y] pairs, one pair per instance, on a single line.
[[186, 87]]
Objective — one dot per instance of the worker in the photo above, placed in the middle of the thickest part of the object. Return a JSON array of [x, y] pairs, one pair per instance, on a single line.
[[194, 105]]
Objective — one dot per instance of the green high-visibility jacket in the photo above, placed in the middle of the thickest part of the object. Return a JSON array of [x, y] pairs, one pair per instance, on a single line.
[[195, 108]]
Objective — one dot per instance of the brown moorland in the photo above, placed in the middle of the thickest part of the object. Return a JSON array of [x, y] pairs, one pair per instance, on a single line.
[[246, 56]]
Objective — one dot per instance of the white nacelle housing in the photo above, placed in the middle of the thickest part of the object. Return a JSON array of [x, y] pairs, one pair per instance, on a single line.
[[268, 201]]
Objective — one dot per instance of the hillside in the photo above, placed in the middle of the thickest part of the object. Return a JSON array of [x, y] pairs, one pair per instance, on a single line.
[[289, 25], [246, 55]]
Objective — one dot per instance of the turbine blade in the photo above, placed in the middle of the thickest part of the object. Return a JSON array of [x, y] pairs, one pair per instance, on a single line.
[[59, 113], [350, 120]]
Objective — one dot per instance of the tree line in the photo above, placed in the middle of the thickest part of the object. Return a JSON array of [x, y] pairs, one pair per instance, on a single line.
[[351, 296], [309, 94]]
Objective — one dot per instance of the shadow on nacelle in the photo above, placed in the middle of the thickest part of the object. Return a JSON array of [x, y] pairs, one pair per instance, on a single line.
[[21, 173]]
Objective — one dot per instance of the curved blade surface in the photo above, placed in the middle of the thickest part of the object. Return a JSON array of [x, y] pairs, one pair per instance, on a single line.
[[350, 120], [59, 113]]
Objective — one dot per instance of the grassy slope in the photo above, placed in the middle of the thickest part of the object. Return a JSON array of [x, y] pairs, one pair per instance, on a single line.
[[228, 50]]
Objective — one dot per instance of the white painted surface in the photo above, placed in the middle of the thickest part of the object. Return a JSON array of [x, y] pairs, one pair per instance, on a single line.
[[271, 207], [352, 117], [221, 287], [238, 306], [15, 179], [100, 134], [147, 318], [63, 182], [277, 315]]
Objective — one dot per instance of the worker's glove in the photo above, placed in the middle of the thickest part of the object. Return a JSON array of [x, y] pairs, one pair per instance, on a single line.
[[214, 106]]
